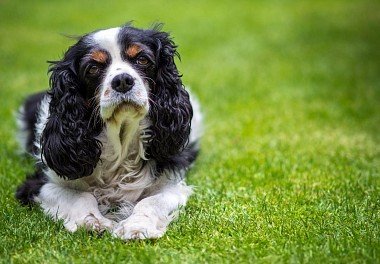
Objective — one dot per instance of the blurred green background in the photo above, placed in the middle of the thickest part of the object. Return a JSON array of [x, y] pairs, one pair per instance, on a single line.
[[289, 169]]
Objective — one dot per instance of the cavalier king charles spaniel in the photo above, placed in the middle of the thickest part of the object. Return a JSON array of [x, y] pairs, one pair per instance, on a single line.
[[113, 136]]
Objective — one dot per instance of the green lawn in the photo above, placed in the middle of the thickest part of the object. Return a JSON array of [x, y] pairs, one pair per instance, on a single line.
[[289, 169]]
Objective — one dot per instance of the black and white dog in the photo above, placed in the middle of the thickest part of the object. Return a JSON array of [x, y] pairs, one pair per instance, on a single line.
[[114, 135]]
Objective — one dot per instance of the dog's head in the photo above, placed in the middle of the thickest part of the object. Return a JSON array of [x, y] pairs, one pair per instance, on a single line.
[[112, 75]]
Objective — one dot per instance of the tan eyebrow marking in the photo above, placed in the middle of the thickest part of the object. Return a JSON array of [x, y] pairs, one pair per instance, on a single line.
[[99, 56], [133, 50]]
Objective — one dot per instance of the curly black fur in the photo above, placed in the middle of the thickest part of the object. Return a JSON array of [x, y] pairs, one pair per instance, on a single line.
[[68, 142], [171, 112]]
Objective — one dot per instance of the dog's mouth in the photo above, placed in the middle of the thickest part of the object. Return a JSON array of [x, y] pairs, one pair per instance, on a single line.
[[128, 106], [116, 108]]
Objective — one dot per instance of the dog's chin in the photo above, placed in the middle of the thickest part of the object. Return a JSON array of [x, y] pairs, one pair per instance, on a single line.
[[116, 110]]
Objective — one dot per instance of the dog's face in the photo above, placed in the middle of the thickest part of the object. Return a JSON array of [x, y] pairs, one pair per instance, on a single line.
[[119, 69], [111, 74]]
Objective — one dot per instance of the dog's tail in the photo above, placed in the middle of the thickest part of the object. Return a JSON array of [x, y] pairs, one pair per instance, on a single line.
[[30, 188]]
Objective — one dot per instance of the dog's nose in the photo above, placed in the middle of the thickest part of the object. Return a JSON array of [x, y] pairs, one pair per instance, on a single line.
[[122, 83]]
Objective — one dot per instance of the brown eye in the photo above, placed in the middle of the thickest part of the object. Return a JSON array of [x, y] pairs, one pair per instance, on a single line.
[[142, 61], [93, 70]]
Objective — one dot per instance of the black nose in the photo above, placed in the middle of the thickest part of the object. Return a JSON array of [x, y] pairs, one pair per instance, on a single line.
[[122, 83]]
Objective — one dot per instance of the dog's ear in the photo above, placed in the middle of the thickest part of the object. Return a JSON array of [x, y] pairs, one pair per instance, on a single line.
[[68, 141], [170, 110]]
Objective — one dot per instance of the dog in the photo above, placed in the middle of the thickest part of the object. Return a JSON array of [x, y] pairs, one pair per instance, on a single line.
[[114, 135]]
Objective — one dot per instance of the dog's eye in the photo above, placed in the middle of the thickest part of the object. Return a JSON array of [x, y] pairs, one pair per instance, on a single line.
[[93, 70], [143, 61]]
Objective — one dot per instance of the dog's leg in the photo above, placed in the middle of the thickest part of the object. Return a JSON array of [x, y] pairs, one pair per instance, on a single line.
[[152, 215], [76, 208]]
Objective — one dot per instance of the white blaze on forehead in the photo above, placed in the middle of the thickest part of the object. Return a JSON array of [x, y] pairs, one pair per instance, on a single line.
[[108, 40]]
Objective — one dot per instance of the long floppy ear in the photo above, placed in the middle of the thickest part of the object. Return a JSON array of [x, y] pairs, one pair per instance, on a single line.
[[171, 110], [68, 142]]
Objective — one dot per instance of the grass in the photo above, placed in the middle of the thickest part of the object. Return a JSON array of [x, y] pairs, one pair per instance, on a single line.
[[289, 169]]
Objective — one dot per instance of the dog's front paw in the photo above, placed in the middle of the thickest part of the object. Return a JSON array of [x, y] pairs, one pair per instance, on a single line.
[[138, 227], [89, 222]]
